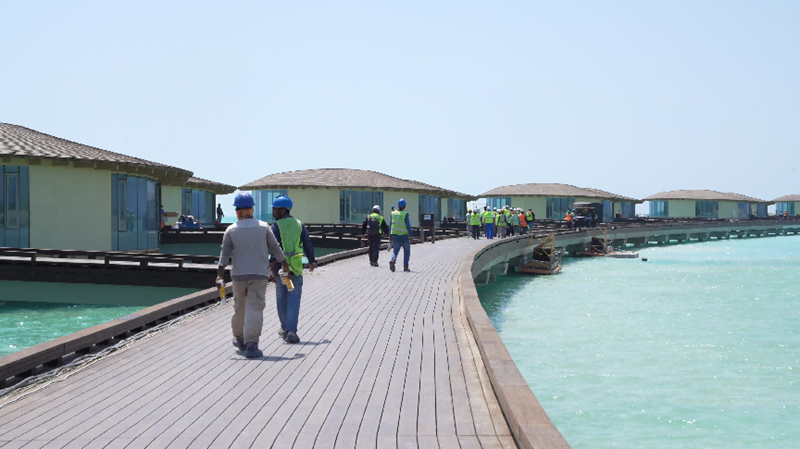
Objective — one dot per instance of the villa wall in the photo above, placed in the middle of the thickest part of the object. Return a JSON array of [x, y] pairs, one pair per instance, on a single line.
[[70, 207], [682, 209], [315, 205], [172, 201]]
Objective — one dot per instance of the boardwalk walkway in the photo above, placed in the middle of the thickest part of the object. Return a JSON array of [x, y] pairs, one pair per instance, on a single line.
[[386, 360]]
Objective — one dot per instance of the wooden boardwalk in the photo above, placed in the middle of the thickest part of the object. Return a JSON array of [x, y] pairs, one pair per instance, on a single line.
[[386, 360]]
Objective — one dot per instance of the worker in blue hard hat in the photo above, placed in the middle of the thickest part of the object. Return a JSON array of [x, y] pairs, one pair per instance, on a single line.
[[248, 244], [400, 235], [293, 236]]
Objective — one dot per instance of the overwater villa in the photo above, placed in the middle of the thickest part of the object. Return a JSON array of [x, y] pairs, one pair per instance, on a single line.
[[196, 197], [343, 195], [551, 201], [788, 203], [705, 204], [59, 194]]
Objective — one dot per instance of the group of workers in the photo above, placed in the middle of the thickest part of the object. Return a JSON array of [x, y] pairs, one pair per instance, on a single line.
[[505, 222], [589, 219], [374, 228]]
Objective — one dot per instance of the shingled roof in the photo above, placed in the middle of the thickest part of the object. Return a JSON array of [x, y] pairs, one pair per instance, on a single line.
[[348, 178], [555, 190], [212, 186], [25, 143], [786, 198], [704, 195]]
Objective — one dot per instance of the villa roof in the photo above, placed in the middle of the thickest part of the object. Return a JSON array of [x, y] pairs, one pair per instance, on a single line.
[[212, 186], [706, 195], [20, 142], [348, 178], [555, 190], [787, 198]]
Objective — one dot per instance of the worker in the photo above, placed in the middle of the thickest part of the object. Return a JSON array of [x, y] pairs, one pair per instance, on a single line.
[[568, 219], [523, 224], [501, 222], [530, 217], [468, 221], [293, 236], [400, 236], [475, 220], [374, 227], [248, 244], [513, 220], [488, 220]]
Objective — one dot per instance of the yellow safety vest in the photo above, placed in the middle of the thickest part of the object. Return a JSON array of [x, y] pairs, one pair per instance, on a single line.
[[399, 223]]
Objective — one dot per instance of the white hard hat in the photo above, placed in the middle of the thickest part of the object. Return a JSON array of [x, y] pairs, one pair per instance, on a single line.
[[376, 207]]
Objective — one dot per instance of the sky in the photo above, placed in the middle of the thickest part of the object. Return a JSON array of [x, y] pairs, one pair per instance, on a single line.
[[631, 97]]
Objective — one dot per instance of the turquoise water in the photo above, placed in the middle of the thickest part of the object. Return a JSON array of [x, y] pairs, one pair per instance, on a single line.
[[699, 347], [25, 324], [53, 309]]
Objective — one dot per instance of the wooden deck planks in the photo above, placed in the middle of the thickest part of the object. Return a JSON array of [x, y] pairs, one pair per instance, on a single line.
[[388, 360]]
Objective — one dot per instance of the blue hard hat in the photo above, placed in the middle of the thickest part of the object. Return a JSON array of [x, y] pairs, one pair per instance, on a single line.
[[244, 200], [401, 203], [283, 201]]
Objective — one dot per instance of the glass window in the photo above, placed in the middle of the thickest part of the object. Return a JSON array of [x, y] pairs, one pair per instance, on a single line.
[[431, 204], [787, 206], [12, 206], [122, 204], [499, 202], [135, 212], [152, 206], [608, 211], [557, 207], [355, 205], [659, 209], [628, 210], [264, 199], [706, 209], [457, 209]]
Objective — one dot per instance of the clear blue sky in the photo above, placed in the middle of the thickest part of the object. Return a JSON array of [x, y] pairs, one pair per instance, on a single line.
[[630, 97]]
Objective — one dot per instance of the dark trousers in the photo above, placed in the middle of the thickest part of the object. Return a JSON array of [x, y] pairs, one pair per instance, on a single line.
[[374, 247], [476, 231]]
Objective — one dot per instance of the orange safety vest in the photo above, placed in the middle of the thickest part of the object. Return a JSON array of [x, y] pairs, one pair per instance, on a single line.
[[568, 217], [522, 221]]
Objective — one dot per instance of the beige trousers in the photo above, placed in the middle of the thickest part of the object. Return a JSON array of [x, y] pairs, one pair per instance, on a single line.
[[248, 309]]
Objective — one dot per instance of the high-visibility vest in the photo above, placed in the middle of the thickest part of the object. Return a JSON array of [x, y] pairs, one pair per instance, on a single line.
[[476, 219], [291, 230], [568, 217], [502, 220], [399, 222], [514, 219], [529, 216], [378, 217], [522, 221]]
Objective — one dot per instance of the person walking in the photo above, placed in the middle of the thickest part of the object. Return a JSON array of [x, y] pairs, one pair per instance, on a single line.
[[374, 227], [502, 224], [468, 221], [400, 235], [220, 214], [475, 221], [523, 223], [293, 237], [488, 220], [513, 220], [248, 244], [530, 217]]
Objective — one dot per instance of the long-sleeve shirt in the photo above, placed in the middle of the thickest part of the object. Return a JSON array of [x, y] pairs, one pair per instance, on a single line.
[[305, 240], [408, 224], [248, 243]]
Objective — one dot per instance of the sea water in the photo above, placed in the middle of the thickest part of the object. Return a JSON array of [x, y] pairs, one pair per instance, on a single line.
[[698, 347]]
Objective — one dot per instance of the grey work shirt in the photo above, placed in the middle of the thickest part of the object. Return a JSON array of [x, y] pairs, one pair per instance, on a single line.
[[248, 243]]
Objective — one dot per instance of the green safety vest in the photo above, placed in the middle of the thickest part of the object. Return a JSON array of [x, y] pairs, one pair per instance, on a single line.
[[515, 219], [399, 222], [529, 216], [476, 219], [380, 221], [291, 230], [502, 220]]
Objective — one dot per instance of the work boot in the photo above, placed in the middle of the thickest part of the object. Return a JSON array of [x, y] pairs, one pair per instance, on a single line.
[[405, 268], [291, 337], [252, 351], [282, 333], [391, 265], [239, 343]]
